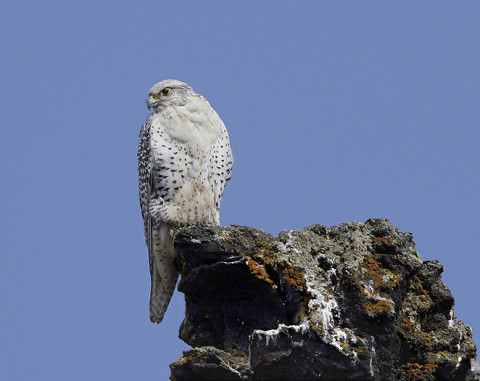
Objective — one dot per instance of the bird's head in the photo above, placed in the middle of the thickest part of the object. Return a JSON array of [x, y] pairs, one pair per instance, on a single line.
[[168, 92]]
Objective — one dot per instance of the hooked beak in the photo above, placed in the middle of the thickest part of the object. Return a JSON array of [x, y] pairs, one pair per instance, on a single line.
[[151, 103]]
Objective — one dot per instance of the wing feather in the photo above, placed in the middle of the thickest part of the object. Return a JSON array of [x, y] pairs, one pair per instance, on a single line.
[[221, 165]]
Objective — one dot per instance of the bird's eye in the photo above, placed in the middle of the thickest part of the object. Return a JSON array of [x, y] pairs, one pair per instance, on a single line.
[[166, 91]]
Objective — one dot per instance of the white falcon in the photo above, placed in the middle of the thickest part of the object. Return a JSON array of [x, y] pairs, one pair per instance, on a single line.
[[184, 163]]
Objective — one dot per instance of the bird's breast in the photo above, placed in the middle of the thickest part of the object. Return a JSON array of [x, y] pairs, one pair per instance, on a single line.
[[193, 126]]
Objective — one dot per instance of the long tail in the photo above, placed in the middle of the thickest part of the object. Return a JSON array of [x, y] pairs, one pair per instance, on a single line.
[[163, 272]]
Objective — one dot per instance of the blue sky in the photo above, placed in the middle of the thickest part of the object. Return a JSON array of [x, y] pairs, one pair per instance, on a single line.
[[337, 111]]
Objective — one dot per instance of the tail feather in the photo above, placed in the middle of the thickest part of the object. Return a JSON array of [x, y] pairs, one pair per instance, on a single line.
[[163, 273]]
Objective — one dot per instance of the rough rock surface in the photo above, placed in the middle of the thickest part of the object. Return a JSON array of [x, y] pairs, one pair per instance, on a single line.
[[350, 302]]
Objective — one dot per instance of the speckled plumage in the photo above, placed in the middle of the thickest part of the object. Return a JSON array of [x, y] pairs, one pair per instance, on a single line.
[[184, 163]]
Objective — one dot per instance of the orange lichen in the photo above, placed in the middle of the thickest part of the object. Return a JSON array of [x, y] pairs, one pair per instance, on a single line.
[[264, 249], [294, 277], [419, 298], [408, 322], [264, 254], [372, 262], [187, 356], [381, 277], [414, 371], [258, 270], [373, 282], [377, 306], [384, 240]]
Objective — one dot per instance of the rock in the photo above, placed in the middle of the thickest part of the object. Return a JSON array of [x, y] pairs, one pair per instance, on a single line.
[[350, 302], [209, 363]]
